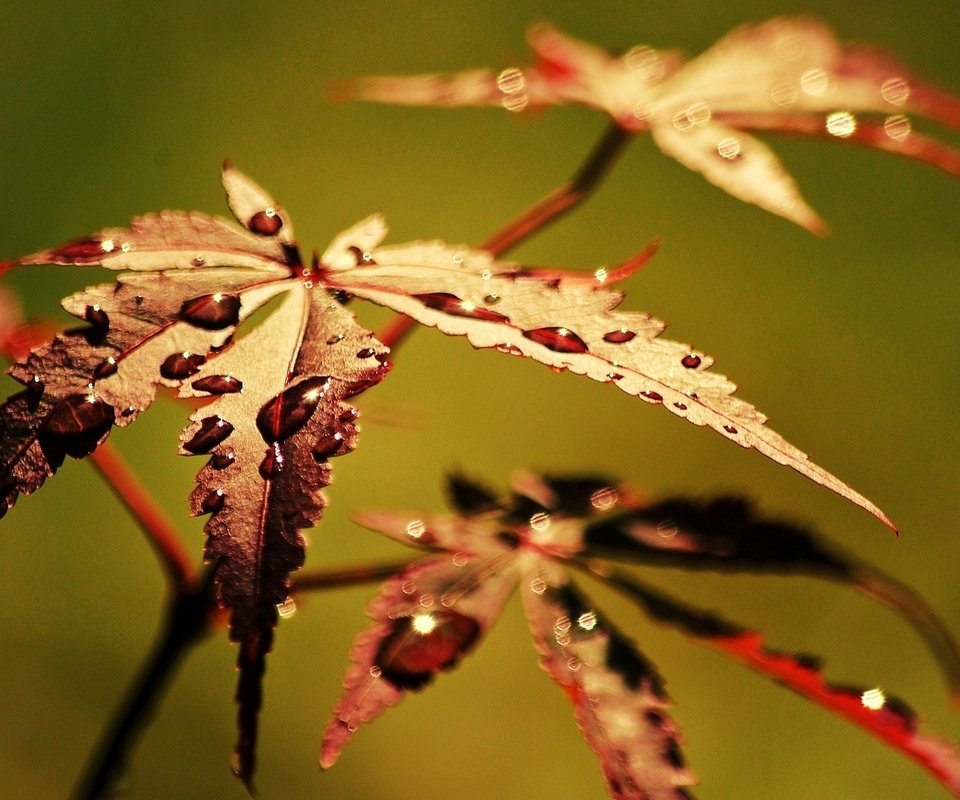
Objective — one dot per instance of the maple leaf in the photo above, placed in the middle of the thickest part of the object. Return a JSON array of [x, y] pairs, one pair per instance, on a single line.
[[436, 610], [787, 74], [273, 402]]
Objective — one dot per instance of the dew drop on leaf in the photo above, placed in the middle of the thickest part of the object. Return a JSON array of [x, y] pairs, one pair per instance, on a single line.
[[329, 446], [690, 361], [366, 352], [619, 336], [213, 502], [105, 368], [82, 251], [78, 415], [212, 312], [421, 645], [273, 462], [218, 384], [560, 340], [213, 430], [265, 223], [222, 460], [97, 317], [455, 307], [290, 410], [653, 397], [178, 366]]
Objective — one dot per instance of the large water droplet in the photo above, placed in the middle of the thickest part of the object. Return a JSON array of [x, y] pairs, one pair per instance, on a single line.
[[690, 361], [265, 223], [421, 645], [290, 410], [222, 460], [212, 431], [329, 446], [560, 340], [212, 312], [653, 397], [97, 317], [619, 336], [455, 307], [218, 384], [77, 415], [105, 368], [178, 366], [83, 251], [273, 462]]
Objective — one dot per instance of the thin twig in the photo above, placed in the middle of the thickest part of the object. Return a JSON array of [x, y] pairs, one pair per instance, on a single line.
[[160, 532], [541, 214], [187, 623]]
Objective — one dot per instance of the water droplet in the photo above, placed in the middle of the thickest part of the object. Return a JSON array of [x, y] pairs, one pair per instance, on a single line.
[[290, 410], [416, 528], [138, 299], [421, 645], [329, 446], [897, 127], [408, 587], [349, 414], [491, 299], [178, 366], [691, 361], [97, 317], [287, 608], [212, 431], [455, 307], [587, 620], [212, 312], [362, 257], [222, 460], [730, 149], [510, 349], [83, 251], [336, 339], [619, 336], [645, 63], [841, 124], [667, 529], [560, 340], [375, 671], [574, 664], [605, 498], [367, 352], [681, 406], [895, 91], [511, 81], [35, 387], [79, 415], [273, 462], [199, 261], [540, 521], [218, 384], [783, 94], [213, 502], [265, 223], [730, 429], [653, 397], [538, 585], [815, 82], [105, 368]]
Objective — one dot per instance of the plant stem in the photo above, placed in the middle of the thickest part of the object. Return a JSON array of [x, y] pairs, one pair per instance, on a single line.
[[186, 624], [538, 216], [345, 576], [161, 533]]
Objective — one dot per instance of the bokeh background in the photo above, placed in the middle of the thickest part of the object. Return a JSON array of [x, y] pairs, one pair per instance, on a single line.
[[848, 343]]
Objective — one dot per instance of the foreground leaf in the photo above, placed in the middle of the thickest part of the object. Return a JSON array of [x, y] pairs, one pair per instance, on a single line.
[[785, 74]]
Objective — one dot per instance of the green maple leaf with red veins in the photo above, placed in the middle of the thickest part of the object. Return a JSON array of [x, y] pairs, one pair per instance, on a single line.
[[785, 74], [274, 404]]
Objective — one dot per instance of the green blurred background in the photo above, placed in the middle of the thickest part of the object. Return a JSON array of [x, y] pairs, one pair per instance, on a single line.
[[849, 344]]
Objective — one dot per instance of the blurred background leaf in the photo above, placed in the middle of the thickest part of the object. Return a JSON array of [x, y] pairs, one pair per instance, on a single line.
[[849, 344]]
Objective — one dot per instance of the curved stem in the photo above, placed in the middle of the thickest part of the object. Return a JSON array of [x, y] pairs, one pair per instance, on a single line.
[[187, 623], [318, 580]]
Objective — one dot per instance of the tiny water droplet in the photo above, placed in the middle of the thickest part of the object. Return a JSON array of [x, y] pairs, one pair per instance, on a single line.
[[653, 397], [730, 429], [287, 608], [619, 336], [366, 352], [336, 339], [265, 223], [213, 502], [199, 261], [510, 349], [290, 410], [375, 671], [35, 387], [105, 368], [538, 585], [178, 366], [667, 529], [329, 446], [97, 317], [273, 462], [491, 299], [559, 340], [212, 312], [681, 406], [690, 361], [349, 414], [212, 431], [218, 384], [138, 299]]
